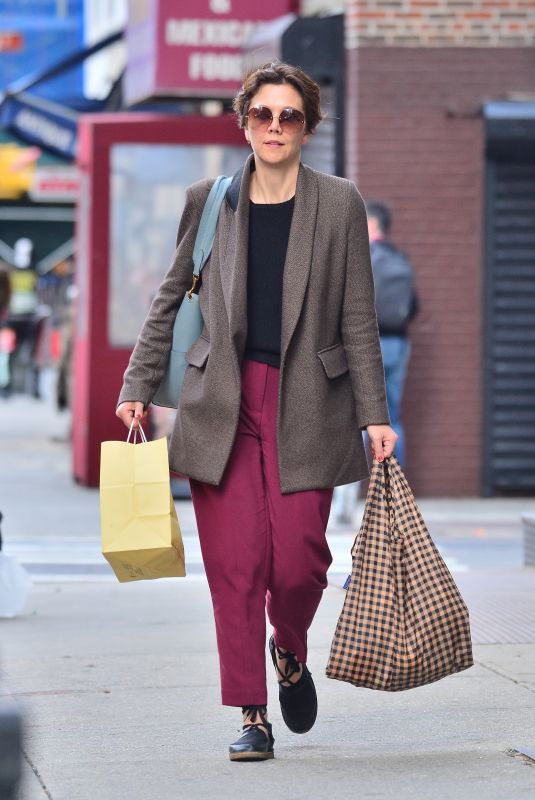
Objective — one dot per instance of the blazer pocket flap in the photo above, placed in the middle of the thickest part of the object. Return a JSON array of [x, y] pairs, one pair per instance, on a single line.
[[334, 360], [198, 352]]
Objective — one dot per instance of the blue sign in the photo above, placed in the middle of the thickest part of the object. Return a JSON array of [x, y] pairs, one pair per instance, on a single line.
[[47, 31], [41, 122]]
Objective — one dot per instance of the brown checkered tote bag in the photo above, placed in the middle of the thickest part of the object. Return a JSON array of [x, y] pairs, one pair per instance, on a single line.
[[404, 622]]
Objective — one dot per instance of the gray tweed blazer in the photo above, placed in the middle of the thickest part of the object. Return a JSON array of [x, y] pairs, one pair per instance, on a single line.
[[331, 383]]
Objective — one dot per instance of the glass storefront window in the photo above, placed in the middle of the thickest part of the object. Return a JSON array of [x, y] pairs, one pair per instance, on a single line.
[[148, 186]]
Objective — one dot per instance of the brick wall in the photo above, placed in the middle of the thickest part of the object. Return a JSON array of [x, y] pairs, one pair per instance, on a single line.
[[415, 138], [437, 23]]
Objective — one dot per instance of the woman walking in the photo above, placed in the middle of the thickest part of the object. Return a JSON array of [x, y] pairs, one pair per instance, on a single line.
[[285, 376]]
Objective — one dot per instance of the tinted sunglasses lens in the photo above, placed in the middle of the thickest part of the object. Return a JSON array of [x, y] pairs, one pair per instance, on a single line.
[[292, 119], [259, 116]]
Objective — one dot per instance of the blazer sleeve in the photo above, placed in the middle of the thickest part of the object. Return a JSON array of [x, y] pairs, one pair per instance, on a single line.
[[150, 355], [360, 334]]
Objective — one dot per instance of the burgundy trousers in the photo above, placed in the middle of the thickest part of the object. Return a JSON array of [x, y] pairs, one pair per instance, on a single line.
[[261, 549]]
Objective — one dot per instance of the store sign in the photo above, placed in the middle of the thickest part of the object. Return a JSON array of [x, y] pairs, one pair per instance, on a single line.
[[46, 125], [192, 49], [55, 184], [11, 42]]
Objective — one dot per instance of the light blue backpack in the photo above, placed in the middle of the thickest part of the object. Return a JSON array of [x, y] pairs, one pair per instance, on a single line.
[[189, 322]]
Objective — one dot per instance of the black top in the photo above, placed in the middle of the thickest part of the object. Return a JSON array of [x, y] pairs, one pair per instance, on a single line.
[[269, 231]]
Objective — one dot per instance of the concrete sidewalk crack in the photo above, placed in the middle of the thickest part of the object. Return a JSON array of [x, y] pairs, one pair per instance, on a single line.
[[37, 774], [504, 675]]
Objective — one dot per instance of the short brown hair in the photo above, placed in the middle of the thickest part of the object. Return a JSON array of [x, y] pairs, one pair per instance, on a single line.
[[277, 72]]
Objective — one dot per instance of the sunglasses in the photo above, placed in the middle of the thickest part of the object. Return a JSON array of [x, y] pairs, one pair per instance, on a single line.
[[290, 119]]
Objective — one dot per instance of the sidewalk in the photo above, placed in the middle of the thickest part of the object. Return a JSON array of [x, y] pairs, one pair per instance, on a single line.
[[121, 691], [50, 520], [120, 682]]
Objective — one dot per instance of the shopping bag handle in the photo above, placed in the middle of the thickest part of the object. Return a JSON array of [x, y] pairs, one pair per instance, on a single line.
[[389, 497], [141, 431]]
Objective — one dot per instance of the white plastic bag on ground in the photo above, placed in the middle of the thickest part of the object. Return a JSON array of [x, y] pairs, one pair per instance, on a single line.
[[15, 584]]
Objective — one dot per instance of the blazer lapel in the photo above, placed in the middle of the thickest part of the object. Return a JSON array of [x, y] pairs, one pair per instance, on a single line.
[[234, 261], [299, 253], [233, 264]]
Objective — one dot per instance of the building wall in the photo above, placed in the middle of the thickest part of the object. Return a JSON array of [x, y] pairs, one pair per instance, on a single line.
[[415, 138], [439, 23], [101, 19]]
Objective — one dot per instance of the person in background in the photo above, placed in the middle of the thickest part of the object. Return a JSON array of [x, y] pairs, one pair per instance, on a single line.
[[396, 304], [6, 334], [5, 290], [5, 296]]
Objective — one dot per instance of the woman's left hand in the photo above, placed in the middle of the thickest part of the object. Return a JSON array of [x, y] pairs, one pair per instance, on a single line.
[[383, 440]]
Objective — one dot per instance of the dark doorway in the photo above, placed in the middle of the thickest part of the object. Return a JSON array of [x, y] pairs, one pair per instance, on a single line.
[[509, 367]]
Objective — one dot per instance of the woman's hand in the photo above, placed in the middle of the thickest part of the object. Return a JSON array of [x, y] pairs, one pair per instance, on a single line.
[[383, 440], [128, 410]]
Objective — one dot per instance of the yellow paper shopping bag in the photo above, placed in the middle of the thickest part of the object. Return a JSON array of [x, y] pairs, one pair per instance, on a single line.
[[141, 536]]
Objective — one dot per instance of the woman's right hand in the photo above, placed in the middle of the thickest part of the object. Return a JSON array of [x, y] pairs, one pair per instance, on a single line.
[[128, 410]]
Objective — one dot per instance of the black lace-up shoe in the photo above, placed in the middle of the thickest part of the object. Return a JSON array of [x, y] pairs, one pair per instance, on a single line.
[[256, 741], [299, 703]]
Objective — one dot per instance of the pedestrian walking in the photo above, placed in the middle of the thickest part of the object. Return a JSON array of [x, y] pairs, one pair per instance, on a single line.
[[396, 305], [283, 380], [5, 290], [7, 335]]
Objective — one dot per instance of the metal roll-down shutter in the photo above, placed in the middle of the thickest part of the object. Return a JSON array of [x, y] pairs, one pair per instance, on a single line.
[[509, 375]]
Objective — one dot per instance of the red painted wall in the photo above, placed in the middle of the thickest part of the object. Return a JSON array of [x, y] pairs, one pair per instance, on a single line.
[[99, 367]]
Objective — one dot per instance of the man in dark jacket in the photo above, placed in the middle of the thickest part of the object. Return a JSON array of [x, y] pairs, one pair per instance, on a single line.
[[396, 305]]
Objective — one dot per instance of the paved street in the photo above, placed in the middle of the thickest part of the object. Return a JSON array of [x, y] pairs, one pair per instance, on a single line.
[[119, 683]]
